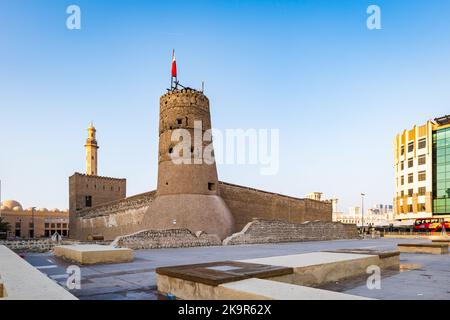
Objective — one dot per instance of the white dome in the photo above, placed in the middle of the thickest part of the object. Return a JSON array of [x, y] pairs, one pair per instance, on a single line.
[[10, 204]]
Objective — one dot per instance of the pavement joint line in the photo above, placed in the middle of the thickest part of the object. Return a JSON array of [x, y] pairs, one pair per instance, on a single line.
[[46, 267]]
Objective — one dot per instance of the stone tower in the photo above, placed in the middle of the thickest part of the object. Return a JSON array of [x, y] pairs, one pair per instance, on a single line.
[[91, 151], [188, 193]]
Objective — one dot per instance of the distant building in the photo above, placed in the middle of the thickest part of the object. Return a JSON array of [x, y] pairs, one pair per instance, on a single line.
[[422, 168], [33, 224], [314, 196], [377, 215]]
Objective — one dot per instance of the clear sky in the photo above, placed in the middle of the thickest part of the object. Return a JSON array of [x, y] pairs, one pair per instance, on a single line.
[[337, 91]]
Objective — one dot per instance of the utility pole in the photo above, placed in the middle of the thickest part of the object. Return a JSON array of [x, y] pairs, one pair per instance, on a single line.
[[32, 219], [362, 211]]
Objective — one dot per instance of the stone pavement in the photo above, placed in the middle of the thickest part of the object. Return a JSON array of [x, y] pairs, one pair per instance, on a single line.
[[422, 276]]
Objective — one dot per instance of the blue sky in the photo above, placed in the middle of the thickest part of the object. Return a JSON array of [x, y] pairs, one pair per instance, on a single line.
[[337, 91]]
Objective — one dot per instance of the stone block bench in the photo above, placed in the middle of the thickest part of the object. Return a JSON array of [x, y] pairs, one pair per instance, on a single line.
[[431, 248], [317, 268], [21, 281], [445, 241], [387, 259], [93, 254], [261, 289], [284, 276]]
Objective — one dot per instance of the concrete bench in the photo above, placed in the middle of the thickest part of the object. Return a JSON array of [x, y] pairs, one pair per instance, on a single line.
[[431, 248], [21, 281], [212, 281], [445, 241], [261, 289], [93, 254], [316, 268], [388, 259]]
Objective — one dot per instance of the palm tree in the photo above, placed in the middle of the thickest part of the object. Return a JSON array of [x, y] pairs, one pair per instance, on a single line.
[[4, 228]]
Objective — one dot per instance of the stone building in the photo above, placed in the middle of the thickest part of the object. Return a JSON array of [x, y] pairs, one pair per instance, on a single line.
[[188, 196], [33, 223]]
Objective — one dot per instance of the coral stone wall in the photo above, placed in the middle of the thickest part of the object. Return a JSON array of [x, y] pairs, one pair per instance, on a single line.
[[247, 204], [171, 238], [274, 231]]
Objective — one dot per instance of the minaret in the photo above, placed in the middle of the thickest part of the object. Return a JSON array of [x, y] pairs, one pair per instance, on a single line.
[[91, 152]]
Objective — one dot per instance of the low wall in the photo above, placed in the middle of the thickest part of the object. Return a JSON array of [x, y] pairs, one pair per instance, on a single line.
[[38, 245], [274, 231], [171, 238]]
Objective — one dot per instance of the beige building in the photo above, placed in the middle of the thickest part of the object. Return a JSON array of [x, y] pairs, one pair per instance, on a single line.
[[422, 160], [33, 223]]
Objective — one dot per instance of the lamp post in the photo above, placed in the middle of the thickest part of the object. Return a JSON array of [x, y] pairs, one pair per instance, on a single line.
[[362, 211], [32, 219]]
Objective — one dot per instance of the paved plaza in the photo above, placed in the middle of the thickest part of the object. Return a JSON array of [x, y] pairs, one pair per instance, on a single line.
[[421, 276]]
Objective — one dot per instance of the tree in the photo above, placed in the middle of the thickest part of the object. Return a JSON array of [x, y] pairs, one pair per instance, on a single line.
[[4, 228]]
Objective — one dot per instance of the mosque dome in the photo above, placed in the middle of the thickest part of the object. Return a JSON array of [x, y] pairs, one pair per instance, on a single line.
[[11, 204]]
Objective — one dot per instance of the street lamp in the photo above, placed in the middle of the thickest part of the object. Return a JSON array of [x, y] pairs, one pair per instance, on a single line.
[[362, 211], [32, 219]]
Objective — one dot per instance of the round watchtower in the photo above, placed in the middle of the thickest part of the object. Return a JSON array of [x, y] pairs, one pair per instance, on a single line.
[[187, 195], [187, 110]]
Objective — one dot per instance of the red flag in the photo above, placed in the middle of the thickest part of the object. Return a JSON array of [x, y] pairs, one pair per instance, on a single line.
[[174, 65]]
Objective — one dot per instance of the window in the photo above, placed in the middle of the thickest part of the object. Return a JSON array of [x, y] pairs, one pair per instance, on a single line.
[[88, 201], [410, 208], [47, 225], [422, 143], [402, 180], [422, 191], [410, 162], [421, 207], [402, 150], [211, 186], [170, 150], [422, 160], [410, 178], [411, 146], [410, 192], [402, 194], [179, 121], [402, 165], [422, 176]]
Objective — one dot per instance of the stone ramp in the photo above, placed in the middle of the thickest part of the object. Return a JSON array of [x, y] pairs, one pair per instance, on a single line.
[[316, 268], [282, 275], [260, 289], [93, 254], [21, 281], [430, 248]]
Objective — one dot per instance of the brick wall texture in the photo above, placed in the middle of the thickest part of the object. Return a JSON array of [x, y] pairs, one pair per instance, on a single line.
[[171, 238], [275, 231]]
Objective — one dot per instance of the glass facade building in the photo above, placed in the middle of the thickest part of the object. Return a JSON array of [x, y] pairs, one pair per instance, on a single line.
[[441, 171]]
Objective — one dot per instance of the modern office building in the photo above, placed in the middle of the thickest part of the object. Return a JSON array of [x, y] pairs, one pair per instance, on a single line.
[[422, 171]]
